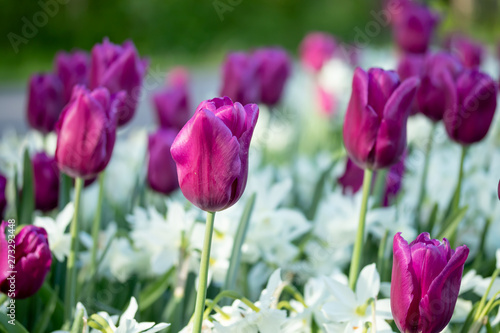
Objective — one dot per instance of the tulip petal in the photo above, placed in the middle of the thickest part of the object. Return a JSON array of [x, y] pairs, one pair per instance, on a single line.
[[405, 295], [208, 162], [436, 307]]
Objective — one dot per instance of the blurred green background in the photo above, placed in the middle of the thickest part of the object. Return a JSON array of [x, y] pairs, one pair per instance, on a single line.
[[198, 32]]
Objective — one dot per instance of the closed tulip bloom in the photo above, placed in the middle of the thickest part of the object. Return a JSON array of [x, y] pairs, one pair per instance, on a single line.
[[375, 122], [3, 198], [426, 277], [162, 171], [46, 181], [469, 51], [45, 102], [178, 76], [119, 68], [72, 69], [32, 261], [211, 153], [86, 132], [437, 91], [172, 106], [240, 80], [273, 67], [470, 119], [414, 28], [316, 49], [411, 65]]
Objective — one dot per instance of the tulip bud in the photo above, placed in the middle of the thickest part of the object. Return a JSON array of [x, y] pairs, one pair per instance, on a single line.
[[426, 276], [45, 102], [162, 172], [273, 67], [375, 121], [3, 198], [414, 27], [72, 69], [172, 107], [437, 91], [469, 120], [316, 49], [119, 68], [240, 78], [31, 264], [46, 181], [411, 65], [86, 132], [468, 51], [211, 153]]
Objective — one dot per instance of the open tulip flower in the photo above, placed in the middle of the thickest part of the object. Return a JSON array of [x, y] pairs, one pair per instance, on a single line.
[[426, 276], [375, 122], [211, 152]]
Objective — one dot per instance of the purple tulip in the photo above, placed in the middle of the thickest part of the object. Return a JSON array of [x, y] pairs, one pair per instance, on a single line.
[[119, 68], [352, 179], [86, 132], [31, 264], [375, 121], [470, 52], [162, 171], [469, 120], [45, 102], [437, 91], [394, 181], [172, 107], [72, 69], [316, 49], [273, 67], [413, 27], [178, 76], [211, 153], [426, 276], [46, 181], [3, 198], [240, 78], [498, 190], [411, 65]]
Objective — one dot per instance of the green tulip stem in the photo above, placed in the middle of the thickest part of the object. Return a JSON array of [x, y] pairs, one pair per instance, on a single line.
[[421, 192], [96, 227], [456, 198], [70, 294], [358, 245], [203, 276]]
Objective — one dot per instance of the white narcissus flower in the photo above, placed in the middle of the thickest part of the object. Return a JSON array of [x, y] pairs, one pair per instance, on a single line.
[[59, 240], [353, 308]]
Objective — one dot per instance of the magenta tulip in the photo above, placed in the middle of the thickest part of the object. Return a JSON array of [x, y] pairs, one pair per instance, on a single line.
[[316, 49], [437, 91], [119, 68], [273, 67], [375, 121], [414, 27], [426, 276], [72, 69], [411, 65], [86, 132], [240, 78], [352, 179], [45, 102], [24, 275], [394, 181], [178, 77], [46, 181], [469, 51], [211, 153], [3, 198], [172, 107], [162, 172], [469, 120]]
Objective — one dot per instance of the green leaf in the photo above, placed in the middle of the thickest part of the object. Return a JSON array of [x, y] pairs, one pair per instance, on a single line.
[[27, 201], [153, 292], [50, 306], [432, 218], [451, 224], [470, 319], [5, 326], [47, 294]]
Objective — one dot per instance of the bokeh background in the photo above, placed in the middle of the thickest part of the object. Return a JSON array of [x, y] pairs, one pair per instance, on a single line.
[[200, 32]]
